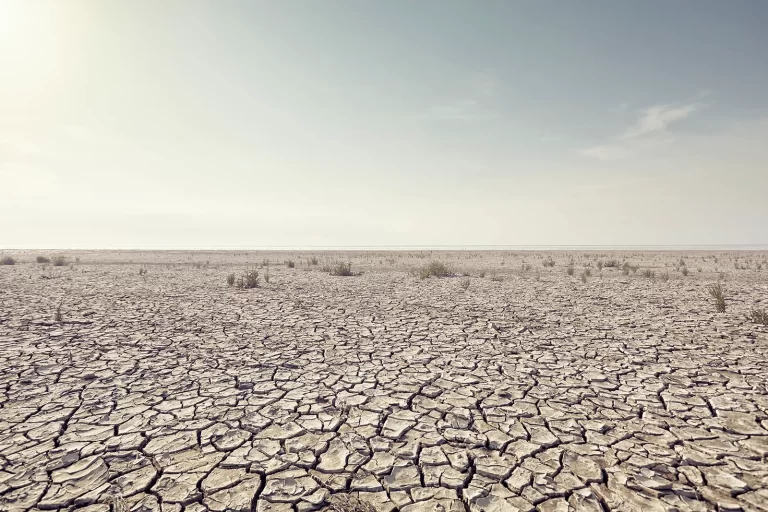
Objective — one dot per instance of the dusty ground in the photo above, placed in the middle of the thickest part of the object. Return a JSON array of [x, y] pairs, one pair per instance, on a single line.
[[530, 389]]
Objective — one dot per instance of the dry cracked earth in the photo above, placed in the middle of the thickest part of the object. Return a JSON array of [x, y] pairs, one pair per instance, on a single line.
[[530, 389]]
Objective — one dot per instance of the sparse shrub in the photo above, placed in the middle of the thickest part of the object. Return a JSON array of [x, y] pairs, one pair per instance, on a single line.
[[313, 260], [600, 265], [142, 271], [525, 267], [230, 279], [569, 270], [342, 269], [588, 272], [290, 263], [249, 280], [650, 274], [482, 274], [549, 263], [464, 283], [757, 316], [435, 269], [348, 503], [42, 259], [266, 276], [58, 317], [583, 276], [611, 264], [718, 296], [7, 260], [265, 262], [497, 279], [684, 271], [59, 261], [665, 276]]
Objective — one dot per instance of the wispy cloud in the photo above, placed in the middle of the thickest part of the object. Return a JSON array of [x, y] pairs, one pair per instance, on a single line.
[[605, 153], [476, 90], [648, 130], [657, 118]]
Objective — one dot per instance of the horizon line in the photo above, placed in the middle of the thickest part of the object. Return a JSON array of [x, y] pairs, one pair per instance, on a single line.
[[436, 247]]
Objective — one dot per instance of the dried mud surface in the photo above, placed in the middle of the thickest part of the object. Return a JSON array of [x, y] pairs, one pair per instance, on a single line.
[[530, 389]]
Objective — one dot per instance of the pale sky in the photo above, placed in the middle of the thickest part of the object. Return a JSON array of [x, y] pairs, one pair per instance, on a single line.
[[211, 124]]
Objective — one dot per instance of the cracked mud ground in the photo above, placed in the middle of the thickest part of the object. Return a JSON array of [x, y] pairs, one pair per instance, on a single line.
[[529, 391]]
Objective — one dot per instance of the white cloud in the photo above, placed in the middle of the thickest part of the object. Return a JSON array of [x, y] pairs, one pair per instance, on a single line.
[[656, 118], [605, 153], [476, 89], [647, 132], [458, 110]]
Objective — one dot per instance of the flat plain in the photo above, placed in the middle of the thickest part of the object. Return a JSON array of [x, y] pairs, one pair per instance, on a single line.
[[142, 381]]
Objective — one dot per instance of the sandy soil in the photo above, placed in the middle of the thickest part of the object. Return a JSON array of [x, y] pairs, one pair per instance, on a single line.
[[531, 389]]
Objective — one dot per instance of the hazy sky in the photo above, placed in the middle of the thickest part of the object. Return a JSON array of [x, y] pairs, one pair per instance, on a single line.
[[337, 123]]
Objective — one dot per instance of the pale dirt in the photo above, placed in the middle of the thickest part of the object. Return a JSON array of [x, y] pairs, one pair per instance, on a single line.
[[172, 391]]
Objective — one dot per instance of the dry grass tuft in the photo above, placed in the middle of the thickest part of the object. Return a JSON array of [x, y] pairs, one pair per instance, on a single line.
[[342, 269], [757, 316], [718, 296], [58, 316], [249, 280], [435, 269], [348, 503], [464, 283]]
